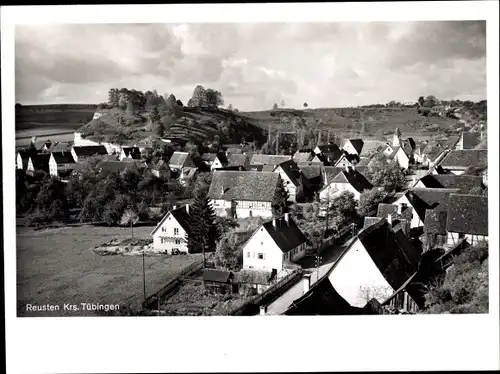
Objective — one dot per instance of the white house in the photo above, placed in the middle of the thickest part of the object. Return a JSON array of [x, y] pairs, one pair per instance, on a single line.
[[38, 161], [180, 160], [242, 194], [400, 156], [219, 161], [132, 153], [396, 138], [349, 180], [81, 153], [171, 234], [274, 245], [346, 159], [374, 265], [61, 163], [291, 176], [467, 219], [353, 146]]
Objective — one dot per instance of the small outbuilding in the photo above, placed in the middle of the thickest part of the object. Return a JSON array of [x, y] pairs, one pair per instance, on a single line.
[[219, 281]]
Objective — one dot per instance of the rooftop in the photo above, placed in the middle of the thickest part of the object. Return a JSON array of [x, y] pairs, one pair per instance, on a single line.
[[243, 185]]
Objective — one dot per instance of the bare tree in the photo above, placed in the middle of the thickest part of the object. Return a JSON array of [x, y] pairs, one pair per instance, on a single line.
[[129, 217]]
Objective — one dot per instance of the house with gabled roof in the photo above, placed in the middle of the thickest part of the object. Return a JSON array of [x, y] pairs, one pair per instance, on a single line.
[[464, 183], [313, 173], [262, 159], [171, 234], [353, 146], [180, 160], [161, 170], [467, 219], [421, 199], [372, 147], [39, 161], [292, 178], [375, 264], [187, 175], [349, 180], [347, 159], [133, 153], [396, 215], [84, 152], [238, 160], [39, 144], [61, 147], [396, 138], [327, 153], [400, 156], [61, 164], [468, 140], [457, 162], [303, 155], [435, 233], [273, 245], [330, 172], [242, 194], [23, 157]]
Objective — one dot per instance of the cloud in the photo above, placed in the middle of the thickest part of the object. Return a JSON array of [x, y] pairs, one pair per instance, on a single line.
[[254, 65]]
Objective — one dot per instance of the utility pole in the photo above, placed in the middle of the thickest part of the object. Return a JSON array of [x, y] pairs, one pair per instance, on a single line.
[[144, 274]]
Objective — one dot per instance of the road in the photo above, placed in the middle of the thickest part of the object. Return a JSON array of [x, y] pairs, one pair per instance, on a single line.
[[330, 255]]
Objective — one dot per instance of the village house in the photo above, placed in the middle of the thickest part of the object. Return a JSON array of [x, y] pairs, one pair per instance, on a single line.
[[219, 281], [468, 140], [161, 170], [467, 219], [219, 161], [61, 164], [171, 234], [421, 199], [400, 156], [238, 160], [314, 175], [435, 233], [371, 148], [376, 264], [23, 157], [303, 155], [82, 153], [397, 217], [37, 162], [327, 153], [464, 183], [132, 153], [187, 176], [347, 159], [353, 146], [180, 160], [349, 180], [457, 162], [242, 194], [40, 145], [292, 178], [274, 245], [61, 147], [262, 159], [396, 138]]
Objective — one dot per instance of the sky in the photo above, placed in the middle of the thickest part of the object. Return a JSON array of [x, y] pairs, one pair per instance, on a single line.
[[254, 65]]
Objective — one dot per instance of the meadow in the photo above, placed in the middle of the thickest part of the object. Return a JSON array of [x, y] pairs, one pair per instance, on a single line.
[[57, 266]]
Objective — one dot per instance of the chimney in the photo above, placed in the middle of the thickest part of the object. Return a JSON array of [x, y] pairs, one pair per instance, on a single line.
[[400, 209], [389, 219], [222, 190], [347, 168], [287, 218], [187, 208], [33, 139], [274, 222], [174, 207], [306, 281], [263, 310]]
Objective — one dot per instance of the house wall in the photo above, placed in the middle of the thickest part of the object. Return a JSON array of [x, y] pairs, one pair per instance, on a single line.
[[396, 141], [415, 219], [335, 189], [166, 238], [19, 161], [348, 147], [112, 148], [30, 165], [52, 166], [73, 153], [289, 186], [402, 159], [216, 164], [388, 150], [355, 272], [262, 243], [244, 209], [343, 162], [454, 237]]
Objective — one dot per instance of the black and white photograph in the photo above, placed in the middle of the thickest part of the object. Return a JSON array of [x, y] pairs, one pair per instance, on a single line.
[[259, 168]]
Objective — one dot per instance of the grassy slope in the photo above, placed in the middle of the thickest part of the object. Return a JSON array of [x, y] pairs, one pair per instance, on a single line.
[[57, 266]]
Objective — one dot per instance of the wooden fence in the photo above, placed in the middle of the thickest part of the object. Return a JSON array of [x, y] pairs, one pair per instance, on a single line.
[[172, 284], [250, 307]]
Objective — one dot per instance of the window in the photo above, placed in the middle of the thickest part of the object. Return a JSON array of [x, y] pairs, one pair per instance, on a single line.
[[261, 256], [177, 241], [163, 229], [248, 254], [261, 243], [176, 231]]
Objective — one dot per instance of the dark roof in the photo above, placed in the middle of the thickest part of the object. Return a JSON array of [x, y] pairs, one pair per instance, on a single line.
[[39, 144], [354, 178], [435, 221], [26, 153], [352, 158], [371, 147], [237, 159], [292, 171], [219, 276], [471, 139], [464, 159], [133, 152], [468, 214], [429, 198], [181, 215], [178, 158], [370, 221], [61, 147], [41, 161], [357, 144], [287, 236], [311, 171], [384, 210], [90, 150], [322, 299], [262, 159], [331, 172], [329, 148], [391, 252], [63, 157], [116, 166], [243, 185], [464, 183], [222, 158]]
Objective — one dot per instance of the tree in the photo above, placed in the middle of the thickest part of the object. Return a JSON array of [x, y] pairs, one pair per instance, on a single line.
[[154, 115], [113, 98], [275, 106], [343, 209], [282, 103], [421, 101], [230, 107], [280, 202], [204, 233], [170, 103], [305, 105], [213, 98], [387, 175], [131, 107], [51, 200], [129, 217], [431, 101], [199, 97], [227, 254], [369, 200]]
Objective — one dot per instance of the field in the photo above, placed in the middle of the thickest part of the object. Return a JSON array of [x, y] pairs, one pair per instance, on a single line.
[[56, 266]]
